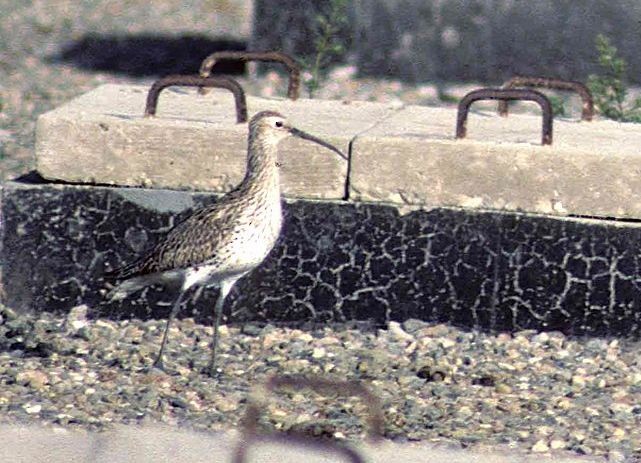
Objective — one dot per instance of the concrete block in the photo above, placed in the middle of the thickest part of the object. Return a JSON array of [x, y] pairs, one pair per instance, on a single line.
[[592, 168], [193, 142], [335, 261]]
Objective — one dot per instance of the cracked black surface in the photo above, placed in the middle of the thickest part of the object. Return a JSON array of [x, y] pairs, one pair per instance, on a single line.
[[339, 262]]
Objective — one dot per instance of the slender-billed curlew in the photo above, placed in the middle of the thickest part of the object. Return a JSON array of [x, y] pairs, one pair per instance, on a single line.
[[219, 244]]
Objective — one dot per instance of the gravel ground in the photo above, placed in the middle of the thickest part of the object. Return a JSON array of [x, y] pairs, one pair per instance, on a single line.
[[532, 392], [541, 393]]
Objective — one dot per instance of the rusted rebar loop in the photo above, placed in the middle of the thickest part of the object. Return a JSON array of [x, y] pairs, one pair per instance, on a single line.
[[292, 66], [587, 111], [350, 454], [197, 81], [342, 388], [505, 95], [320, 385]]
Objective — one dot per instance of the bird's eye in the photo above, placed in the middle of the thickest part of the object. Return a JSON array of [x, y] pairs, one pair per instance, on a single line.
[[279, 123]]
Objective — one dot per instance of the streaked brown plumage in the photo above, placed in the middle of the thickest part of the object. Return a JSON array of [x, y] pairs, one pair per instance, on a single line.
[[220, 243]]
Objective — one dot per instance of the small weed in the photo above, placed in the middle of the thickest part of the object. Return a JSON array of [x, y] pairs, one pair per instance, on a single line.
[[328, 43], [558, 105], [445, 97], [609, 88], [42, 27]]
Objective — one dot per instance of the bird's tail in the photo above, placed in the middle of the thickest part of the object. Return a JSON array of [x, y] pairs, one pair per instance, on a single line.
[[127, 287], [170, 279], [124, 281]]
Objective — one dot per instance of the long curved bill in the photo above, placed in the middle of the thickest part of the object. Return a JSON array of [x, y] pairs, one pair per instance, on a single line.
[[305, 136]]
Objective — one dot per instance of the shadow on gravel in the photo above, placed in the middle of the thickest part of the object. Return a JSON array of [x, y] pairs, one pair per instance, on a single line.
[[147, 55]]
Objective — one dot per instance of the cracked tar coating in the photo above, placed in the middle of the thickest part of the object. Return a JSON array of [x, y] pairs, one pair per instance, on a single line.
[[339, 261]]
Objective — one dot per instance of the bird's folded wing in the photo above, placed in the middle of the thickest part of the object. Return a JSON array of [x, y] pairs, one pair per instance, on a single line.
[[194, 241]]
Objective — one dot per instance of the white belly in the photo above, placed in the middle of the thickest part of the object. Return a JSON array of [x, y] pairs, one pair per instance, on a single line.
[[250, 244], [256, 241], [243, 249]]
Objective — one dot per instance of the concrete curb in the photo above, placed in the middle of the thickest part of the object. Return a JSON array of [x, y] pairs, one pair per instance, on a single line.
[[156, 443], [402, 155]]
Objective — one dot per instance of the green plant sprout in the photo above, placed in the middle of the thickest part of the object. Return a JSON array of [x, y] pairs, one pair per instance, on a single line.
[[558, 105], [327, 44], [609, 89], [445, 97]]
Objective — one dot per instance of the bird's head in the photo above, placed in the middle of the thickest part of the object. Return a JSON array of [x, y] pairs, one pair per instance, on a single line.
[[272, 127]]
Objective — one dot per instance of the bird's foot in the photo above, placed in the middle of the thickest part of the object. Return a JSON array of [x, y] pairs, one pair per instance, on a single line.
[[158, 365], [212, 371]]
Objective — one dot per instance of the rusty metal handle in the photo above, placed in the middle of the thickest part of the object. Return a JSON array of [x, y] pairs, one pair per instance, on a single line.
[[297, 439], [505, 95], [587, 111], [197, 81], [292, 66], [343, 388]]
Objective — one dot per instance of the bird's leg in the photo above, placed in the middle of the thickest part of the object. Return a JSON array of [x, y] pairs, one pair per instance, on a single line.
[[174, 310], [218, 310], [225, 287]]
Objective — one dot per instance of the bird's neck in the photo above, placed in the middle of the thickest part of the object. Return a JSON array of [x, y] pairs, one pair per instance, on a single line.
[[262, 172]]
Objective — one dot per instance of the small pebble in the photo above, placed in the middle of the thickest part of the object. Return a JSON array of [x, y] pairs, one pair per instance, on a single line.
[[412, 325], [502, 388], [398, 333], [540, 446], [251, 329], [584, 450], [32, 409], [33, 378], [616, 456], [579, 381]]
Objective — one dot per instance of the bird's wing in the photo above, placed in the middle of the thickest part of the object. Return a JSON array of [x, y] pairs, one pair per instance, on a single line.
[[191, 242]]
